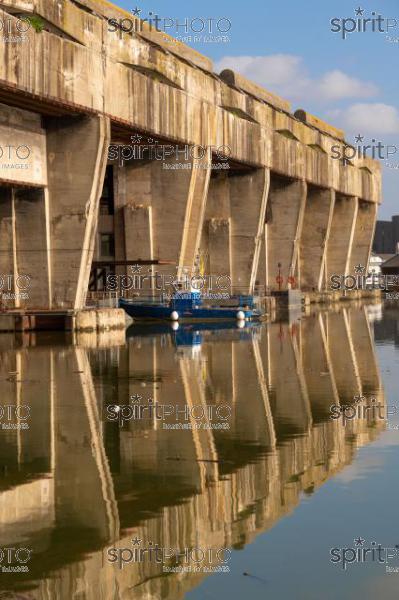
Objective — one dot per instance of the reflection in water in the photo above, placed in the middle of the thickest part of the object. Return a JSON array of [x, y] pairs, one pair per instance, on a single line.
[[76, 483]]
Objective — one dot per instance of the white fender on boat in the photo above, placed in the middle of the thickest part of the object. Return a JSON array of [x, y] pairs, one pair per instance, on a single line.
[[240, 315], [174, 315]]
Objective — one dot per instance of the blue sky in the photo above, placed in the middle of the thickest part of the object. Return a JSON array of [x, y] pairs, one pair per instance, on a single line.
[[288, 47]]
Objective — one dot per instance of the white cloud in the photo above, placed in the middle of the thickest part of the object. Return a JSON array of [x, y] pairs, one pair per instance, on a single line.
[[364, 118], [285, 74], [335, 85]]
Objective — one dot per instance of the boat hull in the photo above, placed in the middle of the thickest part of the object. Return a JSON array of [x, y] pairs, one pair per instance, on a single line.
[[149, 312]]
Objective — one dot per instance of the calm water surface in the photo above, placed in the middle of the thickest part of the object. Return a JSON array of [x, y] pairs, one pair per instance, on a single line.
[[203, 464]]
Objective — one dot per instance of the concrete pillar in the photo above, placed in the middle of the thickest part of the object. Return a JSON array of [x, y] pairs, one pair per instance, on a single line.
[[218, 201], [363, 235], [216, 233], [178, 199], [120, 200], [284, 220], [248, 197], [24, 247], [138, 218], [77, 150], [219, 247], [166, 206], [261, 275], [195, 212], [8, 264], [139, 245], [133, 226], [31, 211], [341, 236], [315, 232]]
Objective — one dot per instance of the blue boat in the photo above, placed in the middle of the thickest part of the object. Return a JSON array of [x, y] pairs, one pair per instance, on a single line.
[[188, 306]]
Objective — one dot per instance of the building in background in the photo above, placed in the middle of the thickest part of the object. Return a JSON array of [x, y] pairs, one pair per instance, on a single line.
[[391, 266], [386, 238]]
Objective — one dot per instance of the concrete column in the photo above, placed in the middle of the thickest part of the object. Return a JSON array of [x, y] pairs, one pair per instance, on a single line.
[[120, 200], [32, 243], [219, 247], [261, 275], [166, 206], [341, 236], [195, 212], [24, 247], [363, 235], [133, 219], [177, 198], [216, 233], [138, 219], [315, 232], [248, 197], [140, 244], [7, 244], [77, 151], [284, 220]]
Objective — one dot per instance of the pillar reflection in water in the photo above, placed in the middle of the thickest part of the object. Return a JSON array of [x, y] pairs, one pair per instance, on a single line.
[[76, 483]]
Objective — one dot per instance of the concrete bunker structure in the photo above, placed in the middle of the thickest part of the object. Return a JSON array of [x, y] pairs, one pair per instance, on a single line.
[[278, 211]]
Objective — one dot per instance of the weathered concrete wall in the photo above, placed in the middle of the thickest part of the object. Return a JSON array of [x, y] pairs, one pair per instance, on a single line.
[[286, 206], [82, 84], [77, 155], [363, 234], [32, 241], [145, 88], [248, 198], [341, 235], [315, 234], [22, 147]]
